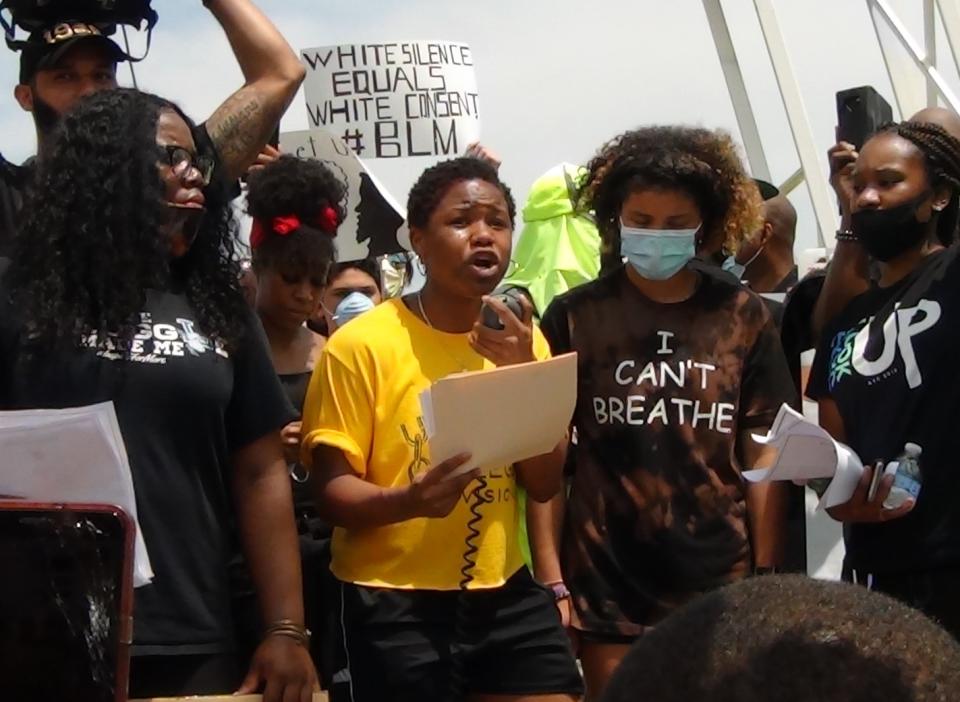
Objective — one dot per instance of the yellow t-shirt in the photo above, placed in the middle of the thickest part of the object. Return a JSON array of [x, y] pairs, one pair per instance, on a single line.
[[364, 399]]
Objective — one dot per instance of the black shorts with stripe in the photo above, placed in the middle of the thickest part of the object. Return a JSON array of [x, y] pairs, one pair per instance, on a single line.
[[422, 645]]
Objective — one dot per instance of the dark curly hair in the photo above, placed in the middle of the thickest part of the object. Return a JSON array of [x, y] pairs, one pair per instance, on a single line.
[[301, 187], [941, 153], [435, 181], [91, 242], [703, 163], [791, 639]]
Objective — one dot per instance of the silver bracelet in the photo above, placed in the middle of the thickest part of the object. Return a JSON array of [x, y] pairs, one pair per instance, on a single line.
[[847, 235]]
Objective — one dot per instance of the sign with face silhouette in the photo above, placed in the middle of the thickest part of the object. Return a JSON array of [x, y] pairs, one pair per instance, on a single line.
[[396, 99], [375, 223]]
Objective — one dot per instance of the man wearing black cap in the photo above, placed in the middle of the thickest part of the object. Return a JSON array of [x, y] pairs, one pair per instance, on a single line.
[[765, 260], [72, 59]]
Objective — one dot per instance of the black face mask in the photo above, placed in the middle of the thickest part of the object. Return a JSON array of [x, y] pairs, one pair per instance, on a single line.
[[885, 234]]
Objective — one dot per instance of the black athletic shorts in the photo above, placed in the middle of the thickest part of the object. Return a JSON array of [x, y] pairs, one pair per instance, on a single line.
[[419, 645]]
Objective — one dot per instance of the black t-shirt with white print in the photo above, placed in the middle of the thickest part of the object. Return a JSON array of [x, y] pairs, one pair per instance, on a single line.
[[184, 406], [896, 383]]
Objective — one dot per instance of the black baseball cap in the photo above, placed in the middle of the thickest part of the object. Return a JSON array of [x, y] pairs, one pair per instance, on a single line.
[[45, 47], [768, 191]]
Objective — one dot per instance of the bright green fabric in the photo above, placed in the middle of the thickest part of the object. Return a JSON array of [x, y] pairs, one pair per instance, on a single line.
[[558, 248]]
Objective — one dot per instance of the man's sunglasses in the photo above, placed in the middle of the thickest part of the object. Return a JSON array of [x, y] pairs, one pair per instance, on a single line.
[[176, 156]]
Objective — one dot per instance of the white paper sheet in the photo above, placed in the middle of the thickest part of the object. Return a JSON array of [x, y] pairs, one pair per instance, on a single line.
[[806, 451], [503, 415], [72, 455]]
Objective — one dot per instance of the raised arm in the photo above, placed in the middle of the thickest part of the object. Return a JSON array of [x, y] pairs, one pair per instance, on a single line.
[[847, 274], [272, 72]]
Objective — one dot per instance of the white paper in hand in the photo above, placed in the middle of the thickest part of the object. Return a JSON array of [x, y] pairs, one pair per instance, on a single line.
[[503, 415], [75, 456], [806, 451]]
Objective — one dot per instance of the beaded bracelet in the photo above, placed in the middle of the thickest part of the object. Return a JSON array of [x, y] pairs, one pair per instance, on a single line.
[[847, 235]]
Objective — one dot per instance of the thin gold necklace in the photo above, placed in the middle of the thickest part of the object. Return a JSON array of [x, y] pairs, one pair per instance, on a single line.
[[423, 313]]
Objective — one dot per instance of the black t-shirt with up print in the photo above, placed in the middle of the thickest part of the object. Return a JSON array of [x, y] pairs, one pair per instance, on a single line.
[[894, 383], [185, 404], [657, 511]]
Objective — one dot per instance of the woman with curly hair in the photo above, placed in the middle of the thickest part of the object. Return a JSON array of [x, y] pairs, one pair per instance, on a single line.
[[296, 208], [124, 288], [677, 365]]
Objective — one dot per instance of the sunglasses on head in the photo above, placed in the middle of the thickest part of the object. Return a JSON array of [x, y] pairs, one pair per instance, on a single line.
[[175, 156]]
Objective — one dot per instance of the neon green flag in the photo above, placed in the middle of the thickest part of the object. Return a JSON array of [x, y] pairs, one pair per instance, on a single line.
[[558, 248]]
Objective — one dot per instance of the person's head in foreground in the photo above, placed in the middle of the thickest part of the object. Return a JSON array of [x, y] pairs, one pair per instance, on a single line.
[[791, 639], [461, 220], [905, 185], [663, 195], [119, 207], [296, 208]]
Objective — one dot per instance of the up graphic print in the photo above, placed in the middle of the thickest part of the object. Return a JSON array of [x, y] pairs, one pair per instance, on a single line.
[[874, 357]]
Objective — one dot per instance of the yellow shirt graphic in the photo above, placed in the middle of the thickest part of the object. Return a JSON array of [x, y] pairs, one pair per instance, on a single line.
[[364, 399]]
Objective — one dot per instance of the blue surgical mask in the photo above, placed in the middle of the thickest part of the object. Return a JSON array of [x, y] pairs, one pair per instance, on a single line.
[[658, 254], [731, 266], [353, 305]]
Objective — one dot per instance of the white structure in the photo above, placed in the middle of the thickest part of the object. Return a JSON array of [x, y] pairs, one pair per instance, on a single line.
[[916, 83]]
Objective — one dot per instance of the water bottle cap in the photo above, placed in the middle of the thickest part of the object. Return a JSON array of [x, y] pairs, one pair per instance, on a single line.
[[913, 449]]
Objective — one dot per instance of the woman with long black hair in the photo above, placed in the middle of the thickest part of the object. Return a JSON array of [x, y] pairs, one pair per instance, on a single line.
[[124, 288], [884, 371]]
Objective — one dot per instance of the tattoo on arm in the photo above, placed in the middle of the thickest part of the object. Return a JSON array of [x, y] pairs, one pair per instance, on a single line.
[[240, 128]]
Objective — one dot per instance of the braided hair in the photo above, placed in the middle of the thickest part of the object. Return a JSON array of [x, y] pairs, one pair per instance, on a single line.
[[941, 153], [700, 162]]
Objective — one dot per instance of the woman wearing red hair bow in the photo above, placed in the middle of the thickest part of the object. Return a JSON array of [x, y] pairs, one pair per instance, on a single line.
[[295, 206]]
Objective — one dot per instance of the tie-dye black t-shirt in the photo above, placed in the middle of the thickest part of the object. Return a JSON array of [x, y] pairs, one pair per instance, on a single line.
[[657, 510]]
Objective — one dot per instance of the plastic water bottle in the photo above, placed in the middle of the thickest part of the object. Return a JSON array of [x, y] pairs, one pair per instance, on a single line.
[[907, 479]]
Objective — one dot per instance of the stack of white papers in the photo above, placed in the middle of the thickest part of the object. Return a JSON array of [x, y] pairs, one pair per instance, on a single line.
[[503, 415], [805, 451], [71, 456]]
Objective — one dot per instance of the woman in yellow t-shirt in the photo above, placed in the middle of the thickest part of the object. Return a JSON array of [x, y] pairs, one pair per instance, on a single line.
[[434, 604]]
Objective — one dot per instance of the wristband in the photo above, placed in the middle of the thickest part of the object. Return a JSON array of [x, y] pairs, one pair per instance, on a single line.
[[290, 629], [560, 591], [847, 235]]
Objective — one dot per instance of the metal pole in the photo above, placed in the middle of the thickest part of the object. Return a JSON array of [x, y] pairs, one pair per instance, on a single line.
[[737, 89], [907, 92], [814, 171], [916, 53], [930, 47], [950, 17]]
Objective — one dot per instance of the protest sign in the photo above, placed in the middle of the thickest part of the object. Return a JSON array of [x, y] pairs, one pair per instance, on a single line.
[[375, 223], [394, 100]]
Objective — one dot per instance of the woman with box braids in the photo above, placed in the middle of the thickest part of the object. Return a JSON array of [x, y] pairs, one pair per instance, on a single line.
[[884, 374]]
